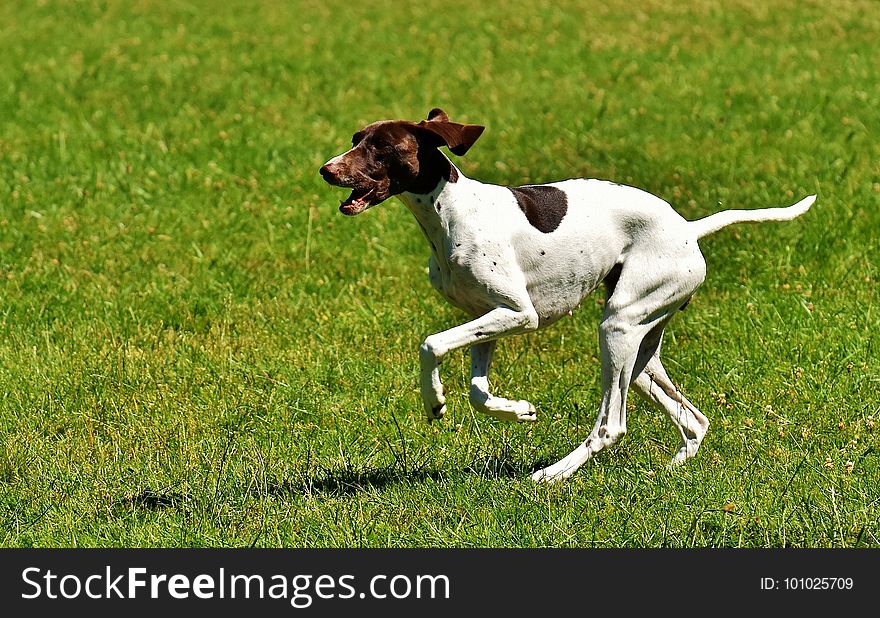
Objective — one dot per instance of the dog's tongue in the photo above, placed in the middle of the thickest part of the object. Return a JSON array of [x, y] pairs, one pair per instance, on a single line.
[[355, 203]]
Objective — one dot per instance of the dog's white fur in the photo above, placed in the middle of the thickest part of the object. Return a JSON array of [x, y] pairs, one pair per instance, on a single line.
[[489, 260]]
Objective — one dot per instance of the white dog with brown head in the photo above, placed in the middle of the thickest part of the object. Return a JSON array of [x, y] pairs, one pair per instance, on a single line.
[[519, 258]]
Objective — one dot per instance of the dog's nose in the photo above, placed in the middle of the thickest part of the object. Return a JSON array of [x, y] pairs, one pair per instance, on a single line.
[[328, 173]]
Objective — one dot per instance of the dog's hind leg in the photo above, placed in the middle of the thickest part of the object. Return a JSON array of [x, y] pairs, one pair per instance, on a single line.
[[636, 313], [654, 385], [619, 342], [482, 400]]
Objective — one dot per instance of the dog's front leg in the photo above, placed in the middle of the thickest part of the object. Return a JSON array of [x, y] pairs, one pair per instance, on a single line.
[[484, 401], [499, 322]]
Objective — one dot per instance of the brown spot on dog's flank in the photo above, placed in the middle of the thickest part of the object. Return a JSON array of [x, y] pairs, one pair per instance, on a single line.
[[543, 205]]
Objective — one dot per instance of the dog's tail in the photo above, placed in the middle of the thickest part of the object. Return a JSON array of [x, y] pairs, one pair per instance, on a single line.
[[713, 223]]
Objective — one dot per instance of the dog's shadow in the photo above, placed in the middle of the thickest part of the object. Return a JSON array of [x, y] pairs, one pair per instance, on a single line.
[[346, 481]]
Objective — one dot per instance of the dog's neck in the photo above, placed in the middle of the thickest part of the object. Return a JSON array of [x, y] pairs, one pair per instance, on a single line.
[[442, 181]]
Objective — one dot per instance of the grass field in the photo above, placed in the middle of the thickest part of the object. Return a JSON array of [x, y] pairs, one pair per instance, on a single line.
[[197, 349]]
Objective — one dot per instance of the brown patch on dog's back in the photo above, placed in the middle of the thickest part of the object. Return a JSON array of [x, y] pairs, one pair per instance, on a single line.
[[543, 205]]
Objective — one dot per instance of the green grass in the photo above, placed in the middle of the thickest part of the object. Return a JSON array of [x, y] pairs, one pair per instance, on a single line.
[[197, 349]]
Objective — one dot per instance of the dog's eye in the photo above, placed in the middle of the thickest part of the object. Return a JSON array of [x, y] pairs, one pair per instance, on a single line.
[[382, 142]]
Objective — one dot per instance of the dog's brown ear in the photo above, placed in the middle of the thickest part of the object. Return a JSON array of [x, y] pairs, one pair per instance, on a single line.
[[438, 115], [457, 137]]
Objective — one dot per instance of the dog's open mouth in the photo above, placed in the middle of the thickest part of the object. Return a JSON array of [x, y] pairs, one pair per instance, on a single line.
[[357, 202]]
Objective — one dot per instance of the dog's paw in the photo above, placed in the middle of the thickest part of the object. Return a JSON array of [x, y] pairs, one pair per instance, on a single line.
[[435, 413], [547, 476], [506, 410], [522, 416], [687, 450], [525, 412], [527, 417]]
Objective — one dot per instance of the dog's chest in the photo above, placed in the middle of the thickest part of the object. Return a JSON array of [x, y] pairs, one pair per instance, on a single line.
[[462, 272]]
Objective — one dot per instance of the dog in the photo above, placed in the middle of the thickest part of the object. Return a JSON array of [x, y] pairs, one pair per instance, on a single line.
[[517, 259]]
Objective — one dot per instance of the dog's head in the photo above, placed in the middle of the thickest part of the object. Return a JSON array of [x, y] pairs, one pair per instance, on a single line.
[[393, 156]]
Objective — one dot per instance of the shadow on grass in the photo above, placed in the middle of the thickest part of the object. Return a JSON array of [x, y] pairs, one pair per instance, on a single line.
[[153, 500], [504, 468], [348, 481]]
